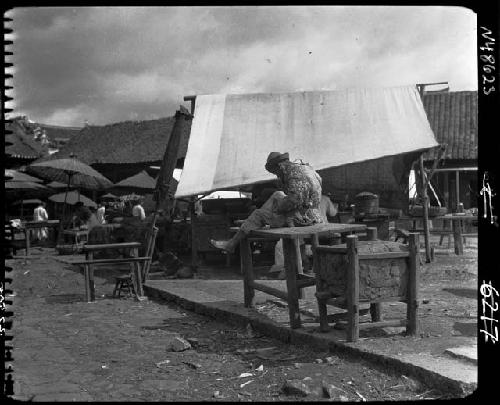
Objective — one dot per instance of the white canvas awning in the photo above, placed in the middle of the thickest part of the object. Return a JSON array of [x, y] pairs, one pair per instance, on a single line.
[[232, 135]]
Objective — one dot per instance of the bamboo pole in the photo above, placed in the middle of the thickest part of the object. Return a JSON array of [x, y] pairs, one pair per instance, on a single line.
[[425, 204], [425, 198]]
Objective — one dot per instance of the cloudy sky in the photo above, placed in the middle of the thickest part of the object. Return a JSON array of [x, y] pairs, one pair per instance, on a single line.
[[105, 65]]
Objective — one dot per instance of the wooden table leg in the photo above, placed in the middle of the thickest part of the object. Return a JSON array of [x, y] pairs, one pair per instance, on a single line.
[[298, 264], [322, 308], [87, 282], [375, 308], [352, 289], [457, 237], [91, 277], [290, 255], [247, 270], [27, 240], [136, 277], [86, 274]]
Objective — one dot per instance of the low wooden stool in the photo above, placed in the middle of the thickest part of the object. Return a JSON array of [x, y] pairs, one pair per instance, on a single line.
[[123, 283]]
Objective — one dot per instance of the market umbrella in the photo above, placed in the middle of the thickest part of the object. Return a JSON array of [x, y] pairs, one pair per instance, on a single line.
[[131, 197], [109, 196], [72, 198], [141, 183], [24, 186], [56, 185], [72, 172], [16, 175]]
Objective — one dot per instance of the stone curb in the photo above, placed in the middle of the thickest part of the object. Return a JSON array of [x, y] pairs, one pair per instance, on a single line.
[[234, 313]]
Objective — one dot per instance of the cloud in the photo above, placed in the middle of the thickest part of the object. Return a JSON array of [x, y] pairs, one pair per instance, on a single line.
[[109, 64]]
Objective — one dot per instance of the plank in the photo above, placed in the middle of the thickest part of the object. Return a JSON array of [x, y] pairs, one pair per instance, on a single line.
[[295, 232], [88, 248], [269, 290]]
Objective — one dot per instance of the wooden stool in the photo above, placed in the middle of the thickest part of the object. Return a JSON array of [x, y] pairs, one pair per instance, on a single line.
[[123, 283], [367, 272]]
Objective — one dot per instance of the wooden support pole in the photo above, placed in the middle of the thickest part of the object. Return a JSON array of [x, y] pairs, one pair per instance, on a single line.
[[413, 284], [248, 275], [457, 189], [425, 204], [194, 240], [352, 289], [425, 198]]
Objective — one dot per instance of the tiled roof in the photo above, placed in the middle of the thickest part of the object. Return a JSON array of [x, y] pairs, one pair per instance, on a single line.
[[23, 145], [124, 142], [453, 118], [55, 132]]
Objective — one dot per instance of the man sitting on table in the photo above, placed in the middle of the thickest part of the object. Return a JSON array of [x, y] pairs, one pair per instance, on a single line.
[[296, 205]]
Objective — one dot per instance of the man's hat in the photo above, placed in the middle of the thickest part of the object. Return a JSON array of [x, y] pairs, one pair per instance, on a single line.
[[274, 158]]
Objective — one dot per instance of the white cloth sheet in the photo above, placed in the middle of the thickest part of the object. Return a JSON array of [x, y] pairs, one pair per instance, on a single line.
[[232, 135]]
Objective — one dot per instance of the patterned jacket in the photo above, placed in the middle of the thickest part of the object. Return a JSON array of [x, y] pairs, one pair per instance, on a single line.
[[302, 186]]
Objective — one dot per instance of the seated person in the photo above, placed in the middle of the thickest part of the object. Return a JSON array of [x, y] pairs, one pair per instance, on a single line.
[[81, 216], [297, 205]]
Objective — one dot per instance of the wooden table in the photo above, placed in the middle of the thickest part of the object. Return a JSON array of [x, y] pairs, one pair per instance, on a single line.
[[457, 221], [89, 250], [77, 236], [295, 279], [457, 229], [30, 225]]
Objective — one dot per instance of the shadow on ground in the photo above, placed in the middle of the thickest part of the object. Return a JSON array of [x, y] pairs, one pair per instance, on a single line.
[[462, 292]]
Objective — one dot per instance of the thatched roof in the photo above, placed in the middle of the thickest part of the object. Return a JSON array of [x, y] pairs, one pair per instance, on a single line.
[[123, 142], [23, 145]]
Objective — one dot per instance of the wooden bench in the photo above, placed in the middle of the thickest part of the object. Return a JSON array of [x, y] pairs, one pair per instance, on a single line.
[[134, 261]]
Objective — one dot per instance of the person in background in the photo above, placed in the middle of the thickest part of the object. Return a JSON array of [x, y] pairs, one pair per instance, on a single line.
[[40, 215], [93, 220], [327, 208], [101, 210], [138, 210], [81, 216], [296, 205]]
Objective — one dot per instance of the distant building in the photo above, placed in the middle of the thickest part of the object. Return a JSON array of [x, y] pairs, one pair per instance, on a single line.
[[23, 145], [123, 149], [453, 117]]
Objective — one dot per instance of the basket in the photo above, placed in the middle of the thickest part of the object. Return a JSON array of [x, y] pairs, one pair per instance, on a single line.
[[365, 203]]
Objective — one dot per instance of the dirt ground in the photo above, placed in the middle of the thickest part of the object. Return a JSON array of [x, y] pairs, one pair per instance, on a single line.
[[117, 349]]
